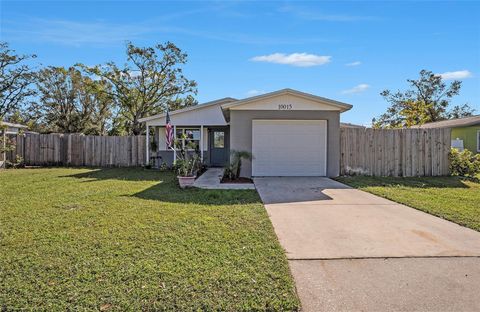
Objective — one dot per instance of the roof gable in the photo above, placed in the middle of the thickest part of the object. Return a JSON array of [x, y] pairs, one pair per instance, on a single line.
[[217, 112], [287, 99]]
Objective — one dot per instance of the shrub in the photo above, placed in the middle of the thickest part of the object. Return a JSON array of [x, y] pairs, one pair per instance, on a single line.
[[17, 163], [464, 163], [163, 166], [187, 166], [232, 170], [228, 172]]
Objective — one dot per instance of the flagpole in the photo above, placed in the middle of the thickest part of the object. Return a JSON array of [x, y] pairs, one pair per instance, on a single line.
[[147, 147], [172, 142]]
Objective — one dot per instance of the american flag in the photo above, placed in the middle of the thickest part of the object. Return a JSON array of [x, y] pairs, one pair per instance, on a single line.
[[168, 132]]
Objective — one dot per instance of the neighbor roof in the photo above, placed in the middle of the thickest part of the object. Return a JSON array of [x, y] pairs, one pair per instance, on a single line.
[[343, 106], [452, 123], [13, 125], [350, 125]]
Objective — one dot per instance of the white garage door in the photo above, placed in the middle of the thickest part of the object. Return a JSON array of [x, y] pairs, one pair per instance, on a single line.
[[289, 147]]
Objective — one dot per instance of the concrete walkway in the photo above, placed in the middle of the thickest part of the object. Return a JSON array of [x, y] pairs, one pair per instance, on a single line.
[[351, 250], [210, 179]]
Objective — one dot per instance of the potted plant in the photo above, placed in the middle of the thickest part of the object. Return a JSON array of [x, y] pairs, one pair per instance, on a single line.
[[187, 166], [186, 171]]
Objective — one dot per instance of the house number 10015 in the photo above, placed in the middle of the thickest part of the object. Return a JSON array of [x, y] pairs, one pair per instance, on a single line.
[[285, 106]]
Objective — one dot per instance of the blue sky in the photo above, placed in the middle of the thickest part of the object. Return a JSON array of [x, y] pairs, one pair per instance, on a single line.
[[347, 51]]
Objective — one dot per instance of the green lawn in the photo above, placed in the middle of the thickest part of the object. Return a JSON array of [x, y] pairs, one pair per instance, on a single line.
[[450, 198], [130, 239]]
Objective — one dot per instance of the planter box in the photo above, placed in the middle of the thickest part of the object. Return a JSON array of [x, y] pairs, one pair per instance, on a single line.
[[186, 181]]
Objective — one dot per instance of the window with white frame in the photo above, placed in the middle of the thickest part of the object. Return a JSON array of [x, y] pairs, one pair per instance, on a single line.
[[188, 138]]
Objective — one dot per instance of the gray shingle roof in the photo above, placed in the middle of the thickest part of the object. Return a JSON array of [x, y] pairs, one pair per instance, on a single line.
[[453, 123], [13, 125]]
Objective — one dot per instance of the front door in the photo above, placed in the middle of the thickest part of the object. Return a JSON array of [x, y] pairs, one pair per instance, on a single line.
[[218, 146]]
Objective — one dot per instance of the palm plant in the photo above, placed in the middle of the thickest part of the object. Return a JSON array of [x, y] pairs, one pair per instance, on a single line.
[[233, 169]]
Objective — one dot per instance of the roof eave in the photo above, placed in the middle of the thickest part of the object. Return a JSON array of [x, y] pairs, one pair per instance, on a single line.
[[13, 125], [187, 109]]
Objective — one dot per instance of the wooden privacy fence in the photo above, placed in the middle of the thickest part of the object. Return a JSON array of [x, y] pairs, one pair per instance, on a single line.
[[395, 152], [78, 150], [399, 152]]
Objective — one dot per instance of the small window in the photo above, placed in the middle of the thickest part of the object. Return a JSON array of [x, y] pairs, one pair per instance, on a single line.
[[188, 139], [219, 139]]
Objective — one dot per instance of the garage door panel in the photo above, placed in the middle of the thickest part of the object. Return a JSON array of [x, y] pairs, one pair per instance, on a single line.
[[289, 147]]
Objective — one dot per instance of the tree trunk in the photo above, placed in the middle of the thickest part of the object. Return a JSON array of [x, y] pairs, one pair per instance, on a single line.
[[137, 128], [239, 167]]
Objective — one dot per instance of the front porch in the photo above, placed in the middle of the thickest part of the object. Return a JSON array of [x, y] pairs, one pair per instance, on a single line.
[[211, 143]]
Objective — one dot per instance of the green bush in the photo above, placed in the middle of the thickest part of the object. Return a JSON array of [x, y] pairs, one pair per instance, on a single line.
[[464, 163], [233, 168], [17, 163]]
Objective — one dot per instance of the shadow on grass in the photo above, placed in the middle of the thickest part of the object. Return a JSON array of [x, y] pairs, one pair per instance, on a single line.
[[170, 192], [167, 189], [416, 182], [125, 174]]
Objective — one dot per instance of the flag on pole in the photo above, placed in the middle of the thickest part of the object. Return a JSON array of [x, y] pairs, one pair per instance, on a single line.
[[168, 132]]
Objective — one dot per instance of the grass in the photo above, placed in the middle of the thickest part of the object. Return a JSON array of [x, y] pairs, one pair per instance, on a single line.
[[130, 239], [451, 198]]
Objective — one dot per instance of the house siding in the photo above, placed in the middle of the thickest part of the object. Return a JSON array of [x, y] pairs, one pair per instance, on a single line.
[[241, 132], [468, 135]]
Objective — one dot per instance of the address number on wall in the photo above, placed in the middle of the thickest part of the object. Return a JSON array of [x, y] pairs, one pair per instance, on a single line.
[[285, 106]]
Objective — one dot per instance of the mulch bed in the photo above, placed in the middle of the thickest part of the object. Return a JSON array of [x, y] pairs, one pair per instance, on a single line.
[[239, 180]]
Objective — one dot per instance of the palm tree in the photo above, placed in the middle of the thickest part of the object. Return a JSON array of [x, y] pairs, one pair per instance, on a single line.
[[236, 160]]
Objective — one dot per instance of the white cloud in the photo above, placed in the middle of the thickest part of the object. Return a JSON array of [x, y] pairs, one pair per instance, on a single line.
[[460, 74], [357, 89], [294, 59], [255, 92], [356, 63]]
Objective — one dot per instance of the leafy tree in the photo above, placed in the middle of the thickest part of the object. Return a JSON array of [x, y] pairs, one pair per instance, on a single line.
[[98, 93], [70, 102], [426, 101], [460, 111], [15, 79], [150, 81]]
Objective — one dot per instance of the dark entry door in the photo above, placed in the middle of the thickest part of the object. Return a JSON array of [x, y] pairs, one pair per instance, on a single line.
[[218, 146]]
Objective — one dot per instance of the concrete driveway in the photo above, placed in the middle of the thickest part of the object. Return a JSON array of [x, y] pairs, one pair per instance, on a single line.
[[351, 250]]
